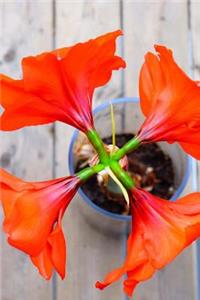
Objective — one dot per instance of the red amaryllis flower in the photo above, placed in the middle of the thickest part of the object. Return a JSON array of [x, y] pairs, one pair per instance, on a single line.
[[160, 231], [170, 101], [59, 85], [33, 213]]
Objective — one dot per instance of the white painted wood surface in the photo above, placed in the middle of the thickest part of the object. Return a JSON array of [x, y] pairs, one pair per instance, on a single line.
[[28, 27]]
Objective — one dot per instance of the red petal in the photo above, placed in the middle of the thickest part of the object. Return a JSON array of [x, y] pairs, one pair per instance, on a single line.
[[59, 85], [62, 52], [58, 249], [50, 88], [43, 262], [169, 99], [11, 197], [192, 149], [31, 212], [53, 255], [22, 108], [160, 231]]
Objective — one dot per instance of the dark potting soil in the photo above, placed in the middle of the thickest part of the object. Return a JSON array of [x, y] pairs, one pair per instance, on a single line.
[[148, 165]]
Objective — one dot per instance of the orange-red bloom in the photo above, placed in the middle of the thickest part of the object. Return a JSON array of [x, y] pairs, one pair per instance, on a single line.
[[170, 101], [160, 231], [33, 213], [59, 85]]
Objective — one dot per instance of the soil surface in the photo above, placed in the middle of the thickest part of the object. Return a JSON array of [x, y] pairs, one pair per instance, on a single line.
[[148, 165]]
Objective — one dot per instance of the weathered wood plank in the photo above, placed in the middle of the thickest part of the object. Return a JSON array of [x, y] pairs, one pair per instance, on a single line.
[[91, 253], [147, 23], [195, 31], [26, 28], [29, 31]]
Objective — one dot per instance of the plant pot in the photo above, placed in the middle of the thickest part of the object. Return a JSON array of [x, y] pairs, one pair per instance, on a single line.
[[128, 118]]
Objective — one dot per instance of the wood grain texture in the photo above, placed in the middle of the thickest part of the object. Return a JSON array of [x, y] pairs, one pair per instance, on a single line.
[[91, 253], [147, 23], [26, 28]]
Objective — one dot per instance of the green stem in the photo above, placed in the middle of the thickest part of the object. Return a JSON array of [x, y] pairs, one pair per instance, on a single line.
[[97, 143], [118, 182], [109, 161], [128, 147], [86, 173], [123, 176], [113, 127]]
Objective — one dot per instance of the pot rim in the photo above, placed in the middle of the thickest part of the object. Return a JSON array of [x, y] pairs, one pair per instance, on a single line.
[[86, 198]]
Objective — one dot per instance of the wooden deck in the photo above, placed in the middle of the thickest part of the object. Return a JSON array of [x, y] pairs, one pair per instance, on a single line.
[[38, 153]]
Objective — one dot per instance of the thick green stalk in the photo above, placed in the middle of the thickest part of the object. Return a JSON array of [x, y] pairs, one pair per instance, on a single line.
[[122, 175], [86, 173], [128, 147], [120, 185], [112, 115], [97, 143], [109, 161]]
